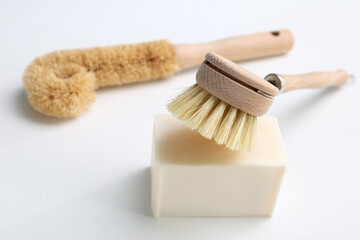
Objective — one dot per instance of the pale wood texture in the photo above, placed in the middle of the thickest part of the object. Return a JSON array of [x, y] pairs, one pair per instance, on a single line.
[[236, 48], [315, 80], [232, 92], [239, 74]]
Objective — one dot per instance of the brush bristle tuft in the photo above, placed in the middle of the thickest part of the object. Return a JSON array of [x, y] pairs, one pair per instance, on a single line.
[[215, 119]]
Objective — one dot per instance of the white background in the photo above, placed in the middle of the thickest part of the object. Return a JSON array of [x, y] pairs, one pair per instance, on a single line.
[[88, 178]]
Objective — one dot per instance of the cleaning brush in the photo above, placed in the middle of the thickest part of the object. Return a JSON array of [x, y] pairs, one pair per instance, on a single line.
[[63, 83], [227, 99]]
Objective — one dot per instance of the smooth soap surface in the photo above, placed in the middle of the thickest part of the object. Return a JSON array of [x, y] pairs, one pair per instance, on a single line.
[[176, 144], [195, 177]]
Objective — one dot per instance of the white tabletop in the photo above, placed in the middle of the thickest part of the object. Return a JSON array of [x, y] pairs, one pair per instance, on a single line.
[[88, 178]]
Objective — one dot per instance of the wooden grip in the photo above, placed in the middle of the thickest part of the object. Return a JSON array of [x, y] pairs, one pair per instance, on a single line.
[[315, 80], [236, 48]]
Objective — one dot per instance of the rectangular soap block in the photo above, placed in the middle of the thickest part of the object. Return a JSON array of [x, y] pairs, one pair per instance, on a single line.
[[194, 177]]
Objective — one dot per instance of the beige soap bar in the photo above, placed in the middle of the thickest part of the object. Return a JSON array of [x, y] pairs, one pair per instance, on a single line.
[[194, 177]]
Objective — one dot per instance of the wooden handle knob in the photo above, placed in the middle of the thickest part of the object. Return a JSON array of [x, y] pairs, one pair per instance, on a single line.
[[235, 85], [315, 80], [236, 48]]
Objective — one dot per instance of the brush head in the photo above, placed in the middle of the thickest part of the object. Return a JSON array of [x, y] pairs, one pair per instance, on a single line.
[[62, 84], [224, 103], [235, 85]]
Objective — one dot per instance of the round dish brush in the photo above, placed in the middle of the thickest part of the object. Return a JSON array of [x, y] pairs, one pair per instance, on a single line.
[[227, 99], [63, 83]]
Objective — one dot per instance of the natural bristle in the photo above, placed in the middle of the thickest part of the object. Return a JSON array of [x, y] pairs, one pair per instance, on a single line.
[[197, 120], [185, 104], [62, 84], [224, 131], [214, 119]]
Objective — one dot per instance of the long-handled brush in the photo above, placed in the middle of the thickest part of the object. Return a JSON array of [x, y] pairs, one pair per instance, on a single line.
[[227, 99], [63, 83]]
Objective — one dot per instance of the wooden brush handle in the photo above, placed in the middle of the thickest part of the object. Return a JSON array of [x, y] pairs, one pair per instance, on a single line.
[[236, 48], [315, 80]]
